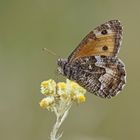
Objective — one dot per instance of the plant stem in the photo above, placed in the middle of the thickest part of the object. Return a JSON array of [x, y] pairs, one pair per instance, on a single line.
[[59, 120]]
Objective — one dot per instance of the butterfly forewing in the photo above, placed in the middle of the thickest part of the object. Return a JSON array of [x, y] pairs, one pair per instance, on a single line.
[[104, 40]]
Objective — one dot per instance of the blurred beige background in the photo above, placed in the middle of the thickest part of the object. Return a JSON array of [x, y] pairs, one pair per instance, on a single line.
[[27, 26]]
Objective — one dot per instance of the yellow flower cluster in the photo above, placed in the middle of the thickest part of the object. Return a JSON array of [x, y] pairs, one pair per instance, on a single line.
[[61, 93]]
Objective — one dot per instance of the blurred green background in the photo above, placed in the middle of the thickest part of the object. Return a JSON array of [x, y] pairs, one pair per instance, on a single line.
[[27, 26]]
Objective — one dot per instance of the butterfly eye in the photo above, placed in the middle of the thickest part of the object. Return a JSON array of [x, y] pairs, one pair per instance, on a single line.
[[104, 48], [104, 32]]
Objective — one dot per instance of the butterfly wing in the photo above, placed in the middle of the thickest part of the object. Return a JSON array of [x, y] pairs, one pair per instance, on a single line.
[[102, 76], [114, 79], [104, 40]]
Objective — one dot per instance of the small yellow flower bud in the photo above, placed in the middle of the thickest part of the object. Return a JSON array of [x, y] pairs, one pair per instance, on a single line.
[[48, 87], [74, 85], [45, 83], [61, 85], [46, 102], [79, 98], [43, 103]]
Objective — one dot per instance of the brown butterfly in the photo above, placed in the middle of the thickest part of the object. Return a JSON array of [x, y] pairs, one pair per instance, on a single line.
[[94, 63]]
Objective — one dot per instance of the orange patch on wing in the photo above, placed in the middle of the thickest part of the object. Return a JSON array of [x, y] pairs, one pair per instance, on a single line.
[[95, 47]]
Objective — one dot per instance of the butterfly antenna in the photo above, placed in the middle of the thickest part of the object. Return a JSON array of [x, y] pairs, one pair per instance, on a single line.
[[49, 51], [54, 54]]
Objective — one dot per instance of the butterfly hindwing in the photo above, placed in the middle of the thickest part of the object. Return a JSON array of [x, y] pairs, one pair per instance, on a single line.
[[103, 76]]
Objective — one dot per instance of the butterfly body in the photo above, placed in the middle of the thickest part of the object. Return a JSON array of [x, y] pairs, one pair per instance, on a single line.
[[94, 63]]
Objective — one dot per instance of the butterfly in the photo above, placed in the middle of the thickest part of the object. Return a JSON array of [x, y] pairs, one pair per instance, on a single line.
[[94, 63]]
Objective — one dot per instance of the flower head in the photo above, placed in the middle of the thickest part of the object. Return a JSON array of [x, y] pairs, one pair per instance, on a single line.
[[48, 87], [61, 93]]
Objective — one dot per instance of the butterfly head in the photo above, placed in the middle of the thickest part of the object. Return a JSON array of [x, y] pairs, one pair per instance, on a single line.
[[61, 65]]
